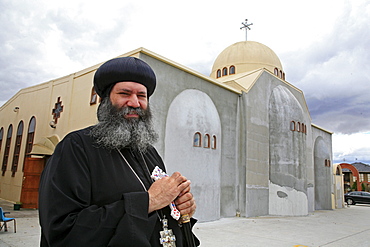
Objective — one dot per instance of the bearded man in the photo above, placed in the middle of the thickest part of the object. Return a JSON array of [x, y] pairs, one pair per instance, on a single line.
[[96, 189]]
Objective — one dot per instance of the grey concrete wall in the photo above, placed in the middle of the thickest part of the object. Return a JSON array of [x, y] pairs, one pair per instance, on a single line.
[[252, 126], [191, 113], [288, 171], [257, 147], [258, 150], [171, 82], [323, 185]]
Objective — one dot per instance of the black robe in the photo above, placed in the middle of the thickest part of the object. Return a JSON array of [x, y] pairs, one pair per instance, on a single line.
[[90, 197]]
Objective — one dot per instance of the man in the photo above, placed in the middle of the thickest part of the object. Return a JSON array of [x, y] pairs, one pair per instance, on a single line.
[[96, 189]]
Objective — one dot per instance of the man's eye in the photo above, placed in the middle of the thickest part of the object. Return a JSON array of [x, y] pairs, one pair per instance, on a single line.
[[124, 93]]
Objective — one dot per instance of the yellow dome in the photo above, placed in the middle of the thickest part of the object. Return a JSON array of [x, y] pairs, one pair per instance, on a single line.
[[246, 56]]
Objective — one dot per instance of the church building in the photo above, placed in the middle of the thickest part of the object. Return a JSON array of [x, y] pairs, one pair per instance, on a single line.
[[243, 135]]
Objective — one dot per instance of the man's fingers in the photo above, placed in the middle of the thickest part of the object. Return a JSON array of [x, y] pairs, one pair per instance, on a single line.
[[184, 198], [178, 177], [187, 207]]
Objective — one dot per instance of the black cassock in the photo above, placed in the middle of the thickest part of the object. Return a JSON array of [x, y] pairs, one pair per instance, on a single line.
[[89, 196]]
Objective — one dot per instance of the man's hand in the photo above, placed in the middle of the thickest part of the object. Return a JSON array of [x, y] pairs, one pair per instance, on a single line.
[[164, 191], [185, 202]]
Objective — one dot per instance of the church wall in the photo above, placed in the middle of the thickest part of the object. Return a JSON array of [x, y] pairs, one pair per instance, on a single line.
[[82, 114], [257, 147], [193, 109], [38, 101], [258, 151], [173, 81], [30, 102], [323, 185], [288, 184]]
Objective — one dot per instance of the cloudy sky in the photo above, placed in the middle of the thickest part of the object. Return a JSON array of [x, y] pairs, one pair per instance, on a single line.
[[324, 47]]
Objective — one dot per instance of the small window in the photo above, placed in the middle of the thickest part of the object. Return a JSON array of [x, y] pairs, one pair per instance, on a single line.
[[232, 69], [17, 148], [94, 97], [281, 74], [276, 71], [292, 126], [299, 127], [327, 163], [214, 142], [1, 136], [207, 141], [30, 137], [7, 149], [224, 71], [218, 73], [302, 127], [197, 142]]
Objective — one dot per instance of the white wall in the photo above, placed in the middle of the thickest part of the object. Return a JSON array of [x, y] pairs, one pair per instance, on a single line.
[[190, 112]]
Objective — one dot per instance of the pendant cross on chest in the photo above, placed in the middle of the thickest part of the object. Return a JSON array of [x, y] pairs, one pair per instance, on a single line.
[[167, 238]]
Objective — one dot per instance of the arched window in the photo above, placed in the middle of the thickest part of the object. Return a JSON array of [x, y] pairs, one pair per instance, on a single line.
[[7, 148], [302, 127], [218, 73], [30, 137], [197, 141], [224, 71], [299, 127], [214, 142], [232, 69], [17, 148], [281, 74], [337, 171], [94, 97], [327, 162], [276, 71], [207, 141], [292, 126], [1, 137]]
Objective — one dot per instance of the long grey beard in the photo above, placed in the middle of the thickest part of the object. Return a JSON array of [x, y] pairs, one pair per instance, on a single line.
[[116, 132]]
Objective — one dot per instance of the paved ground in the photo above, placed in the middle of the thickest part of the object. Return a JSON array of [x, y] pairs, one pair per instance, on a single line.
[[331, 228]]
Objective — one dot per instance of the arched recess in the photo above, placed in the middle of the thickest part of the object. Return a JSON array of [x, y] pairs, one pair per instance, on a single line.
[[33, 167], [323, 175], [288, 169], [338, 186], [45, 146], [354, 171], [190, 112]]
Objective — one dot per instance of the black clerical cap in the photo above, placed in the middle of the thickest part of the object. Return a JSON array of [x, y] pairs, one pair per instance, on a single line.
[[123, 69]]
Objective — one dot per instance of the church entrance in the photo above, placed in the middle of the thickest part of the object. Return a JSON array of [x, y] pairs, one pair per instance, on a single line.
[[31, 179]]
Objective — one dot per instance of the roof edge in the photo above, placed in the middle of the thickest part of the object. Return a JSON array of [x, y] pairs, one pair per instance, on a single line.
[[320, 128]]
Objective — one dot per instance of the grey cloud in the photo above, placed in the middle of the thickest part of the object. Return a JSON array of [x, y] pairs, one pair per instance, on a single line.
[[334, 75], [25, 28]]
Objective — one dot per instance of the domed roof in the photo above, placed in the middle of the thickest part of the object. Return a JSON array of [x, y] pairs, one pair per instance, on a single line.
[[247, 56]]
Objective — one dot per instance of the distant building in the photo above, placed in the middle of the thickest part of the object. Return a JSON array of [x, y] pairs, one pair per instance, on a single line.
[[350, 179], [242, 135]]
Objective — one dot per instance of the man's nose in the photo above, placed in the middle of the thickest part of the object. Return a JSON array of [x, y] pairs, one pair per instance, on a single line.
[[133, 101]]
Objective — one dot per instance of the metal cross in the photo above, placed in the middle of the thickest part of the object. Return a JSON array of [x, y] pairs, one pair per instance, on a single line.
[[246, 26], [167, 239]]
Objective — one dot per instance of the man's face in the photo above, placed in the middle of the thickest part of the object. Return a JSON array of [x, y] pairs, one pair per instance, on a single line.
[[130, 94]]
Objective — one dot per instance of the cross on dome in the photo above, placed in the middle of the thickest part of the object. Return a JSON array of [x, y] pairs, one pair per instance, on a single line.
[[246, 26]]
